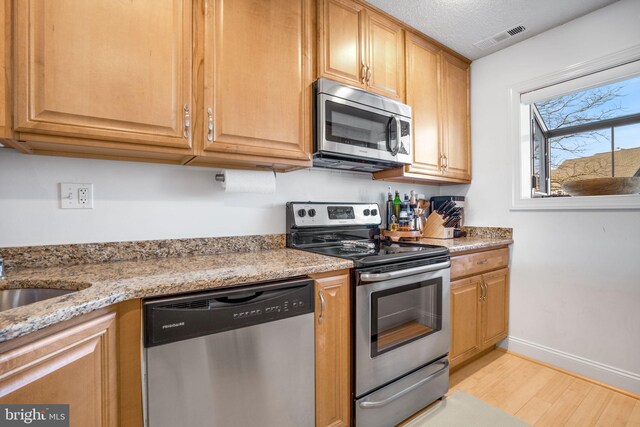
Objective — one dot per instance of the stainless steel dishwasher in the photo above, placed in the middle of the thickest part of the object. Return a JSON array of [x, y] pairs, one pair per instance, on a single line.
[[231, 358]]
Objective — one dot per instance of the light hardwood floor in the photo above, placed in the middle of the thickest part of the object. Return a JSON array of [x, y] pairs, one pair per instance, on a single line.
[[543, 396]]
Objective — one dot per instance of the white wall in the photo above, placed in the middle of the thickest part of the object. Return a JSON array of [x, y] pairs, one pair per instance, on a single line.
[[142, 201], [575, 278]]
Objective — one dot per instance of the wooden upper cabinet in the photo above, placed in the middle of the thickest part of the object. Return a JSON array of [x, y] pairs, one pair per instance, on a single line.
[[104, 70], [6, 130], [437, 85], [360, 47], [258, 80], [423, 95], [341, 41], [457, 148], [385, 56]]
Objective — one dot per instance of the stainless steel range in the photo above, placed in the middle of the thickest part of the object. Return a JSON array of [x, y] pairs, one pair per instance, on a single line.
[[400, 310]]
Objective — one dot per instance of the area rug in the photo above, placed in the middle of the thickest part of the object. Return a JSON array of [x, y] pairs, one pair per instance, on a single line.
[[463, 410]]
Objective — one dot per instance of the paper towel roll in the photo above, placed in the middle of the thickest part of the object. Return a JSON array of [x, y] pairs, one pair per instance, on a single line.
[[245, 181]]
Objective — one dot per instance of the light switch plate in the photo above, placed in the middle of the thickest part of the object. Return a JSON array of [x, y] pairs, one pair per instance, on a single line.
[[76, 196]]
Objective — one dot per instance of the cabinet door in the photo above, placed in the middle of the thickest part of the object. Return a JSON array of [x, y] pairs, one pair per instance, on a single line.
[[105, 70], [465, 319], [385, 56], [457, 148], [76, 366], [258, 78], [495, 316], [333, 373], [423, 95], [5, 36], [341, 42]]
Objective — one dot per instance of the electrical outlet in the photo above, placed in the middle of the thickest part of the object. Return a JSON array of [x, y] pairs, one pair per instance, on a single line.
[[83, 196], [76, 196]]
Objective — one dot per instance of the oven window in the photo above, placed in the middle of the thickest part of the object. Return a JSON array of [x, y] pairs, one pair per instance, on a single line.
[[353, 126], [404, 314]]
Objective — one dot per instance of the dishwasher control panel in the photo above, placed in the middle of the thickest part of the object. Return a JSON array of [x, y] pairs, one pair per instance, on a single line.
[[168, 320], [286, 306]]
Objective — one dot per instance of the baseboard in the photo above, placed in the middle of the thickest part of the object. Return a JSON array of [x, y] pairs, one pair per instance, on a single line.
[[589, 369]]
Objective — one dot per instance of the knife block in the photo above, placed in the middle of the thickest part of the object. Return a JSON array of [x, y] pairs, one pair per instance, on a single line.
[[434, 228]]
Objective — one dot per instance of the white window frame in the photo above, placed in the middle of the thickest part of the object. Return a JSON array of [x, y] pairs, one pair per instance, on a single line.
[[520, 139]]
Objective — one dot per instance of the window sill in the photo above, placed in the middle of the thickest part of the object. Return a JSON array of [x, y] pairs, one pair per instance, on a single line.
[[595, 203]]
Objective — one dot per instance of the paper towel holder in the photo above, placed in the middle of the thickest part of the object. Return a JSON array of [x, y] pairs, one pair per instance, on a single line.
[[220, 176]]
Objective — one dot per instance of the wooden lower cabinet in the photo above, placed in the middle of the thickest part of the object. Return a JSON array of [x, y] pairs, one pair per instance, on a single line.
[[76, 366], [333, 355], [495, 310], [479, 307], [465, 319], [91, 363]]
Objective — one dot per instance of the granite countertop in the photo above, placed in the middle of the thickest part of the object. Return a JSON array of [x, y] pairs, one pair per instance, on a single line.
[[477, 238], [102, 284], [107, 273], [464, 244]]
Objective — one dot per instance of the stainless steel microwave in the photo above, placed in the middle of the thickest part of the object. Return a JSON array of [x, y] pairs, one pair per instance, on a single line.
[[358, 130]]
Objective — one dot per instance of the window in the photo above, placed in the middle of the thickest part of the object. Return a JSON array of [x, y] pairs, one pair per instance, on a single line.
[[577, 124], [585, 134]]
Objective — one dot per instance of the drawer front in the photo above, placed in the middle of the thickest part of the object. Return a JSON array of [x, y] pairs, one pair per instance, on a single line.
[[479, 262]]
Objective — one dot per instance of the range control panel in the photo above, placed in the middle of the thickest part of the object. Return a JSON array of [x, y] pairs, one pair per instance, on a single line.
[[311, 214]]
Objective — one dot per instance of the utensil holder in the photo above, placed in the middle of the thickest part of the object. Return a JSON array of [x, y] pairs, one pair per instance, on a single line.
[[434, 228]]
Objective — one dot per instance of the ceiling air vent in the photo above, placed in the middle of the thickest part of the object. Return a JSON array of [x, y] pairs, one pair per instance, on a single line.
[[516, 30], [500, 37]]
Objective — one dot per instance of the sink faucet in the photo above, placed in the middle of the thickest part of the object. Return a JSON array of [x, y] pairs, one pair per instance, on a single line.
[[2, 275]]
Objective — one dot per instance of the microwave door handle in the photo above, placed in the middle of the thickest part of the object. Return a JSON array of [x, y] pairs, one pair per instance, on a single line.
[[398, 134], [393, 149]]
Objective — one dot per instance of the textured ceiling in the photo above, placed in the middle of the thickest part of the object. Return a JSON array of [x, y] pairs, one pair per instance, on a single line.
[[459, 24]]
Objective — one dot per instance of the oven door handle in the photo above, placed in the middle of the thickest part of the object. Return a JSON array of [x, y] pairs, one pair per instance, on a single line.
[[377, 277], [367, 405]]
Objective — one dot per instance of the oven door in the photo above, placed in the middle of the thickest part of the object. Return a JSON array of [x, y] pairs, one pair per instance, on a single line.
[[401, 321], [356, 130]]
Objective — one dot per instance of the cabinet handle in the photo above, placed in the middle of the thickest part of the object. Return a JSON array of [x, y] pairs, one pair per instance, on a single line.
[[446, 162], [321, 316], [187, 121], [484, 261], [369, 76], [441, 166], [482, 291], [209, 125], [364, 73]]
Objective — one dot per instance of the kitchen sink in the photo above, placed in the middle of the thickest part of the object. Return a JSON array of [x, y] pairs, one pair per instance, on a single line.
[[22, 293]]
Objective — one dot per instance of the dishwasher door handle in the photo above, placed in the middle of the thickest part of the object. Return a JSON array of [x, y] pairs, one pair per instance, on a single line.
[[377, 277], [366, 405]]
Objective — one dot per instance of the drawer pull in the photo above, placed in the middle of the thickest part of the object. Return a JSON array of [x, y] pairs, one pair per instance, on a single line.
[[483, 261]]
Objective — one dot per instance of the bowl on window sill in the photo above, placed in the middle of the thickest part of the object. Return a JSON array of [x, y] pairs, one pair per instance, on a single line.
[[602, 186]]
